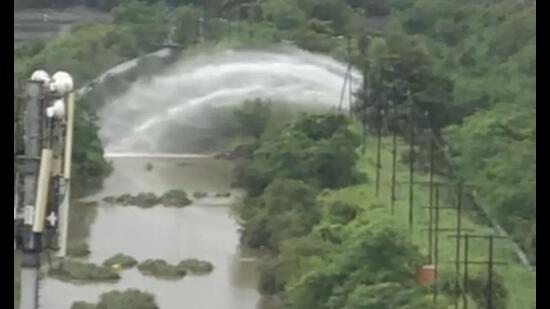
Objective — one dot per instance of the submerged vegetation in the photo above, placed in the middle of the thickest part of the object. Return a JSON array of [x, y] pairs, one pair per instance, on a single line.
[[78, 249], [68, 270], [172, 198], [175, 198], [129, 299], [195, 266], [120, 261], [161, 269]]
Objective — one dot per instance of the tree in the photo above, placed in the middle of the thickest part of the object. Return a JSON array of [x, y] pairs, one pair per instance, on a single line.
[[186, 21], [253, 117], [287, 209]]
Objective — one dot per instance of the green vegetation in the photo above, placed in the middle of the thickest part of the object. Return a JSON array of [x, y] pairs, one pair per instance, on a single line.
[[325, 253], [120, 261], [519, 282], [487, 111], [68, 270], [468, 70], [129, 299], [195, 266], [312, 228], [161, 269]]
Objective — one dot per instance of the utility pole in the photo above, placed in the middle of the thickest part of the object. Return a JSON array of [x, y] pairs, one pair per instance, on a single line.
[[459, 233], [411, 169], [394, 159], [436, 244], [378, 142], [490, 275], [364, 107], [350, 89], [465, 278], [430, 236]]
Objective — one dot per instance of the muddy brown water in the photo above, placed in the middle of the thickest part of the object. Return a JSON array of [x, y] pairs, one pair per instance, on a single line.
[[205, 230]]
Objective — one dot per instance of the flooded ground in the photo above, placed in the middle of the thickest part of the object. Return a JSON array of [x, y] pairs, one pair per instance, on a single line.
[[205, 230]]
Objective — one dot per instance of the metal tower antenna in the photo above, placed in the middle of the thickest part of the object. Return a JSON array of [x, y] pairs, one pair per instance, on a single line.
[[38, 172]]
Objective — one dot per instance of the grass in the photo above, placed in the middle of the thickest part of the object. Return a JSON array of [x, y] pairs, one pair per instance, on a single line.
[[520, 282]]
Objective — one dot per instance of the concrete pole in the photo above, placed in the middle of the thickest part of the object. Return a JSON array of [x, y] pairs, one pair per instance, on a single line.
[[31, 242]]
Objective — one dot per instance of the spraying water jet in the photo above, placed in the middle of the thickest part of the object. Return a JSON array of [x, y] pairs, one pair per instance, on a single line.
[[178, 101]]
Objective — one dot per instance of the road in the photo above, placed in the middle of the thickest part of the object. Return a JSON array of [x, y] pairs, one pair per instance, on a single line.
[[44, 24]]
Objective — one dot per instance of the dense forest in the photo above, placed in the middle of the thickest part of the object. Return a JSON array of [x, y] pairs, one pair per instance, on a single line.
[[467, 69]]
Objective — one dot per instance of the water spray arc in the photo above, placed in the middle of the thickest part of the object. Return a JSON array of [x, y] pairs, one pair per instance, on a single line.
[[42, 176], [138, 120]]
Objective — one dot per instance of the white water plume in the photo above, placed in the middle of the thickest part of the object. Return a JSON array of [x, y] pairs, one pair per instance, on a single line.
[[137, 120]]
